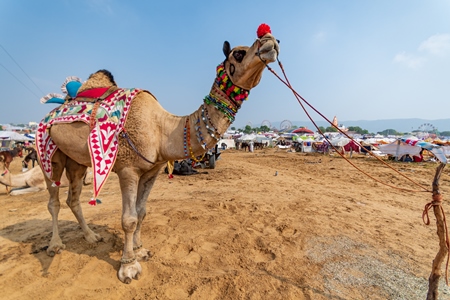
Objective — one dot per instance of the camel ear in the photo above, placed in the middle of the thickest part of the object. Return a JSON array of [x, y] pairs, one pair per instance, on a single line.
[[226, 49]]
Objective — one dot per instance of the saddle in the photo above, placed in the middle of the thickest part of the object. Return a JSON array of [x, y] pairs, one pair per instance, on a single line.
[[95, 95]]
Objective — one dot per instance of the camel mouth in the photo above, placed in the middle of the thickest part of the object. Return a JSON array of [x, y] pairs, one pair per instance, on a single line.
[[270, 55], [269, 49]]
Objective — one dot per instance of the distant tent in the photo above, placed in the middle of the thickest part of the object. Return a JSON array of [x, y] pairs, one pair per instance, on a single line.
[[14, 136], [340, 142], [401, 147], [302, 130]]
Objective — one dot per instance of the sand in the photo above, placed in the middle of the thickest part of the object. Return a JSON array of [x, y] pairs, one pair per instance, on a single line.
[[318, 230]]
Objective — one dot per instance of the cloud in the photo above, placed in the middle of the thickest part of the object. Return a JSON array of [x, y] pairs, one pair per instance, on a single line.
[[104, 6], [435, 45], [320, 37], [438, 44], [409, 60]]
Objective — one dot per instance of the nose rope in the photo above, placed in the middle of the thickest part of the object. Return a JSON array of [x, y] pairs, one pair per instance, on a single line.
[[300, 99]]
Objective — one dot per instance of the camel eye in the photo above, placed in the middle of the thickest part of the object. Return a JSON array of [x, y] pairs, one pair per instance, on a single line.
[[239, 55]]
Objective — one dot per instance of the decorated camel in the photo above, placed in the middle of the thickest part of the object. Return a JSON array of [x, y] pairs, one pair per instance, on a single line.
[[83, 132]]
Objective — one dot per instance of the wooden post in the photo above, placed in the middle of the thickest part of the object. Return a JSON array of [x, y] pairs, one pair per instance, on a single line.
[[433, 280]]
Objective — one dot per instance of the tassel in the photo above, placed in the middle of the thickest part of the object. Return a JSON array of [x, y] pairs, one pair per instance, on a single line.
[[56, 183], [94, 201], [53, 98], [71, 85]]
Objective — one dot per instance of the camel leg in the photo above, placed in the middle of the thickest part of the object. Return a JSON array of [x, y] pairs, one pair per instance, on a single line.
[[75, 173], [130, 267], [145, 186], [58, 162]]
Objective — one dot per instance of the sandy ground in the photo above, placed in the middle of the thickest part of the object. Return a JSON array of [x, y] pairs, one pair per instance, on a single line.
[[318, 230]]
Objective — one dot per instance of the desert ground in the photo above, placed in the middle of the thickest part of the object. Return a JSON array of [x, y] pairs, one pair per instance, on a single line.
[[319, 229]]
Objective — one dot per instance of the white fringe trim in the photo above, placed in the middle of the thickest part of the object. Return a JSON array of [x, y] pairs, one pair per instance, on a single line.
[[69, 79], [50, 96]]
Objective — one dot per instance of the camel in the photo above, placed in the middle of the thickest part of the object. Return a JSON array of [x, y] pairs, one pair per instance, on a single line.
[[31, 156], [157, 136], [30, 181], [24, 183], [9, 155]]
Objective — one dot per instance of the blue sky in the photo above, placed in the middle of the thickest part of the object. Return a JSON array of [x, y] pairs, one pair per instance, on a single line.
[[357, 60]]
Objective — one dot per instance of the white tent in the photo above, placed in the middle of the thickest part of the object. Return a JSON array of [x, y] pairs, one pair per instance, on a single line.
[[230, 144], [399, 148], [340, 142], [13, 136], [247, 137]]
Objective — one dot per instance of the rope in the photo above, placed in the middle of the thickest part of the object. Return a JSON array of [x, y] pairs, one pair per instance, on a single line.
[[437, 198], [299, 98], [437, 201]]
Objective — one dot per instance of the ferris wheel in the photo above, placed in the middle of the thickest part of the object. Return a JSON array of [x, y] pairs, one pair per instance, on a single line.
[[285, 125], [266, 123], [427, 128]]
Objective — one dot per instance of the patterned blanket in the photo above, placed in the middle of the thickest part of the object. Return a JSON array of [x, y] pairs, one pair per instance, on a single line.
[[109, 119]]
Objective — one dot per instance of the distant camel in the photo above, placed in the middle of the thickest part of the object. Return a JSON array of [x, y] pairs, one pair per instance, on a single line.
[[32, 155], [31, 181], [10, 154]]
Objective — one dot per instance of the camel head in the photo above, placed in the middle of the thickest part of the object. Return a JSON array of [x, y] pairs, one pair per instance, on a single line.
[[244, 65]]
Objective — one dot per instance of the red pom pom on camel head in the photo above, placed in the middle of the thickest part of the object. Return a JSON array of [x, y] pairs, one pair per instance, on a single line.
[[262, 30]]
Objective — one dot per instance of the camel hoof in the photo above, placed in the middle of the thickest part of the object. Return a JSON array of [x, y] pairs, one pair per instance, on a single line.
[[92, 237], [127, 280], [128, 271], [137, 276], [52, 251]]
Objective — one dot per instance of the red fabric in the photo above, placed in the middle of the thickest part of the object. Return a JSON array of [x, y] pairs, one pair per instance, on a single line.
[[93, 93], [418, 158], [351, 146]]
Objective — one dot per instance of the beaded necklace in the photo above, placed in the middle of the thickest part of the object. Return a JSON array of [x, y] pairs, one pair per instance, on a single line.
[[234, 92], [187, 142], [211, 128], [222, 92], [224, 86], [199, 134]]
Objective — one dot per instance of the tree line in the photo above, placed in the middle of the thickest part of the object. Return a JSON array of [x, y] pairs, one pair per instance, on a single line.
[[355, 129]]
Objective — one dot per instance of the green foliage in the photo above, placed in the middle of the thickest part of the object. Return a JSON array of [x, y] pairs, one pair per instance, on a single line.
[[247, 129], [445, 133], [390, 132], [331, 129], [358, 130]]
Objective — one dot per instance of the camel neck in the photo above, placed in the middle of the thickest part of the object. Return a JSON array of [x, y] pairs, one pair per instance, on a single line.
[[204, 127], [226, 96]]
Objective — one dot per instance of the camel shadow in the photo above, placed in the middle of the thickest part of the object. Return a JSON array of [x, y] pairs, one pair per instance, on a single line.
[[37, 233]]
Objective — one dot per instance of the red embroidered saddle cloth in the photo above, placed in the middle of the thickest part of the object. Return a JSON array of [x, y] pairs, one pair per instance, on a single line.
[[106, 118]]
